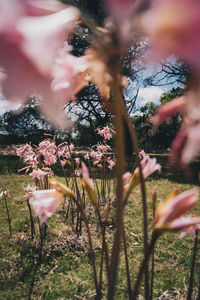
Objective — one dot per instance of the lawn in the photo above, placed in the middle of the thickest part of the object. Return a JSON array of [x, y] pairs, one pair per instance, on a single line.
[[62, 269]]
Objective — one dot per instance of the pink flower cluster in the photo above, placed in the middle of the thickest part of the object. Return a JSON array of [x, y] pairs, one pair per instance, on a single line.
[[27, 154], [48, 150], [106, 132]]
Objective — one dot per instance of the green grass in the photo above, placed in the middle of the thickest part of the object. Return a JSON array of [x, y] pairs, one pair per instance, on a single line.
[[63, 270]]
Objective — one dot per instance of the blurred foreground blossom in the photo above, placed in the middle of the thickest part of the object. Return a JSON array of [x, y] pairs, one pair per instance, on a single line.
[[89, 185], [166, 110], [187, 142], [148, 165], [173, 28], [30, 37], [45, 203], [119, 9], [169, 213], [69, 73]]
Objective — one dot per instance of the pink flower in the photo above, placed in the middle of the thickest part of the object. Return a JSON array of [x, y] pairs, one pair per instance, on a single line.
[[168, 214], [45, 203], [105, 132], [173, 29], [186, 145], [111, 164], [77, 160], [37, 174], [62, 162], [28, 63], [89, 185], [149, 166], [78, 172], [68, 73], [28, 191], [191, 229], [87, 156], [166, 110], [48, 149], [119, 9], [71, 148]]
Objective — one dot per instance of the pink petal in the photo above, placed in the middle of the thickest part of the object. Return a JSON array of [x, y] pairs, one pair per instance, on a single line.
[[184, 222], [119, 9], [167, 110], [173, 29], [44, 30]]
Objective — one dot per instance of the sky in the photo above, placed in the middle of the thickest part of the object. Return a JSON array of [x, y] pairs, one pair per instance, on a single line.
[[149, 93]]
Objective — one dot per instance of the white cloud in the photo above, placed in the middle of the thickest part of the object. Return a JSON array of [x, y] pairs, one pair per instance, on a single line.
[[8, 106], [149, 94]]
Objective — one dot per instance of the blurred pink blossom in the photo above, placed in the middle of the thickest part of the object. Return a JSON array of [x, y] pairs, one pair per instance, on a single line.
[[166, 110], [186, 145], [68, 73], [87, 156], [85, 174], [111, 164], [37, 174], [168, 213], [45, 203], [78, 172], [173, 28], [27, 52], [149, 165], [119, 9]]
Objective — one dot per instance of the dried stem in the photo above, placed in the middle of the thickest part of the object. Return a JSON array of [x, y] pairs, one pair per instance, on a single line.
[[143, 192], [90, 242], [154, 198], [150, 248], [189, 295], [119, 173], [8, 215], [127, 264]]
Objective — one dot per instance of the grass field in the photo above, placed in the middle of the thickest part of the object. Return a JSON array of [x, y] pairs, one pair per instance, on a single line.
[[62, 269]]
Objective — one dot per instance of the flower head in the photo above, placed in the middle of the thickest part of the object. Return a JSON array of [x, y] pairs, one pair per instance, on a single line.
[[169, 213], [89, 185], [25, 61], [45, 203], [173, 29]]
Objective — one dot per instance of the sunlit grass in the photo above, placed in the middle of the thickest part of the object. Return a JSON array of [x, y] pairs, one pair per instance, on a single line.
[[63, 269]]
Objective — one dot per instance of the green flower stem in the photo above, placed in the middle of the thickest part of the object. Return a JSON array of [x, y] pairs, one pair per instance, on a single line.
[[189, 295], [150, 248], [143, 192], [119, 144]]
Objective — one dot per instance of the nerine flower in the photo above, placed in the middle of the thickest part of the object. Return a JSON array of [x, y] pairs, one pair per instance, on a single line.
[[149, 166], [25, 61], [69, 73], [173, 29], [169, 213], [45, 203], [187, 142], [37, 174], [166, 110], [89, 185]]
